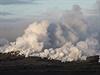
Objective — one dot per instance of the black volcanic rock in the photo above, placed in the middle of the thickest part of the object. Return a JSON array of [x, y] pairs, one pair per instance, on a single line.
[[92, 58], [13, 62], [11, 56]]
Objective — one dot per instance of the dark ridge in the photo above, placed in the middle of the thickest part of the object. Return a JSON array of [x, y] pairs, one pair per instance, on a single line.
[[11, 56], [13, 62], [93, 58]]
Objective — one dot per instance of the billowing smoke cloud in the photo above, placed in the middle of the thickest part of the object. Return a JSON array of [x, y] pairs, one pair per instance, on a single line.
[[3, 44], [73, 37]]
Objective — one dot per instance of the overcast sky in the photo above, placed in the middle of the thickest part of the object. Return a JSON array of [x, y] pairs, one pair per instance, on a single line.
[[18, 14], [20, 8]]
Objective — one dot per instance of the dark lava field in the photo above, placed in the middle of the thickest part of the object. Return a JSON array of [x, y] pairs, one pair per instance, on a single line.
[[18, 63]]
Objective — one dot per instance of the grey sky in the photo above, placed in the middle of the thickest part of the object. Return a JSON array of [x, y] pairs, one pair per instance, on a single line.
[[5, 13], [15, 2], [18, 14]]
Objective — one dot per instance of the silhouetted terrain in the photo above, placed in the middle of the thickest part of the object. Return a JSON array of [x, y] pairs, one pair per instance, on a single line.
[[18, 63]]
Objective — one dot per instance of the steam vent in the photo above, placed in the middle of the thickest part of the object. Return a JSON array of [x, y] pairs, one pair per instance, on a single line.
[[93, 58]]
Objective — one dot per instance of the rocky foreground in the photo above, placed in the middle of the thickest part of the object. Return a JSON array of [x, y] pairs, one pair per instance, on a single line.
[[12, 62]]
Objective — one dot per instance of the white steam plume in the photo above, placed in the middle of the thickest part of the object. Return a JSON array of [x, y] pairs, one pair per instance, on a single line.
[[3, 44], [67, 40]]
